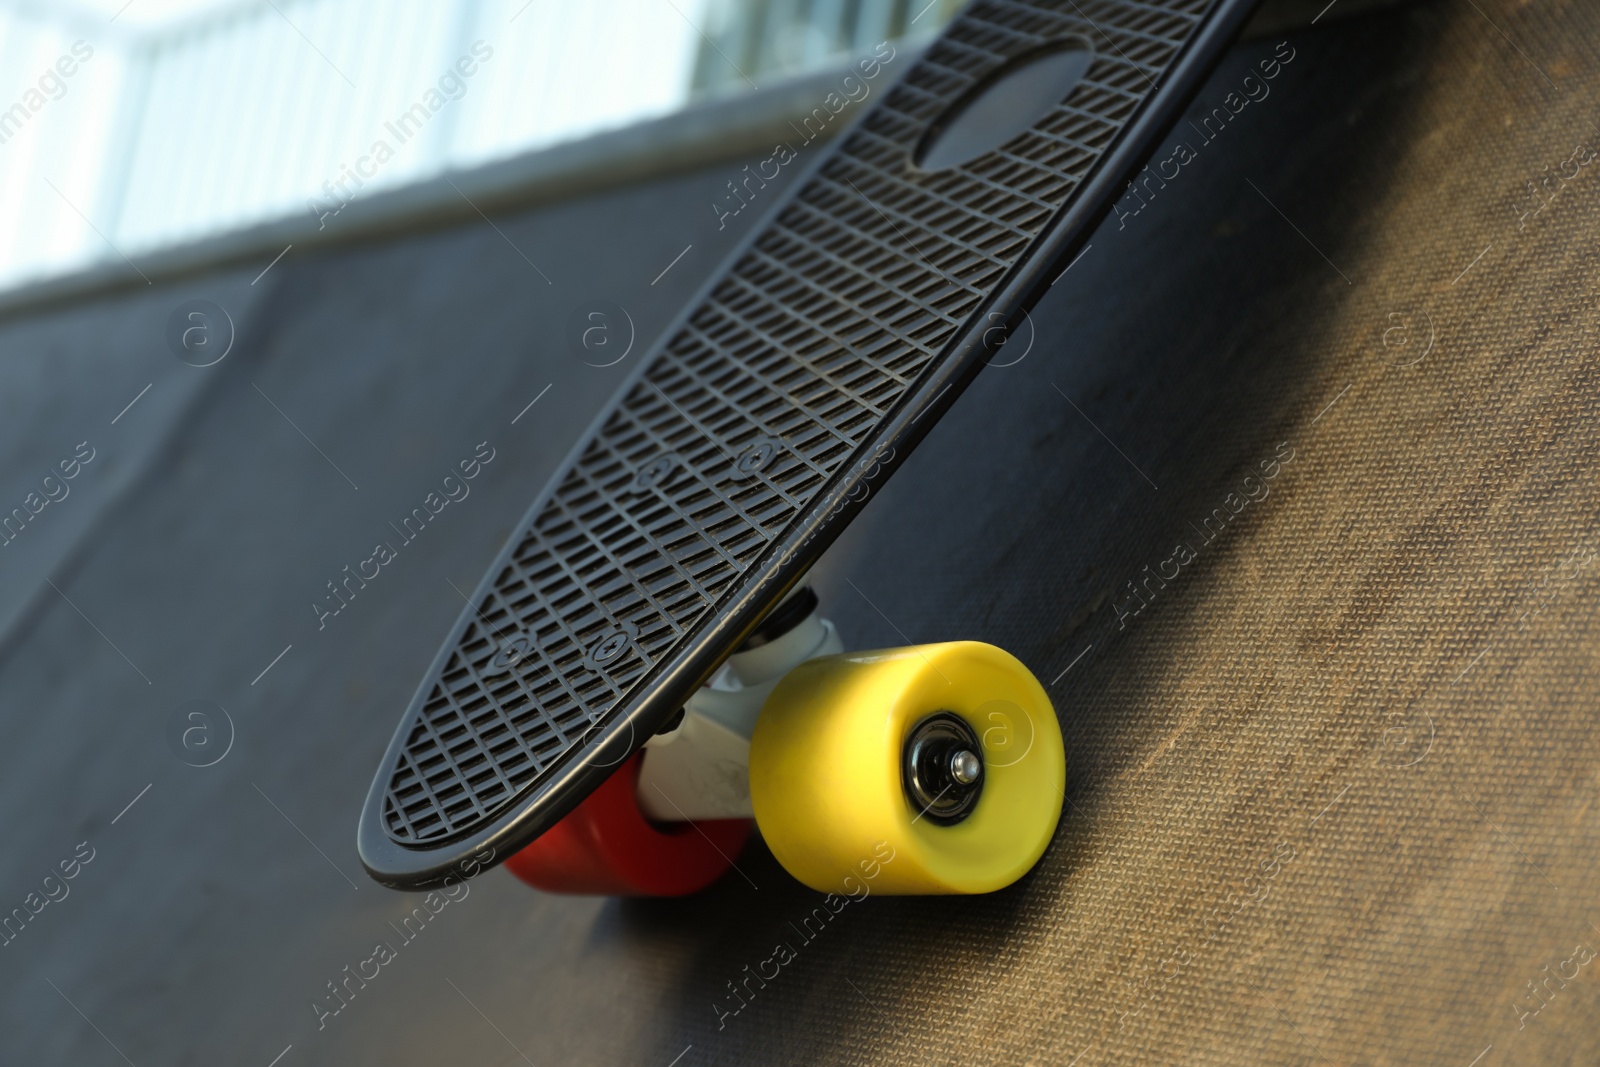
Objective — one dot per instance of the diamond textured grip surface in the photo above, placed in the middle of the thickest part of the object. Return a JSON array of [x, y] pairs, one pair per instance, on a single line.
[[867, 277]]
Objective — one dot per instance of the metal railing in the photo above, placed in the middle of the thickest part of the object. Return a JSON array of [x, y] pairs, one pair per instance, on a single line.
[[748, 39], [114, 143]]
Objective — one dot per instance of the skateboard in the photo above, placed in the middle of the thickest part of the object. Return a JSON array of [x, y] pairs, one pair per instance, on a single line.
[[644, 671]]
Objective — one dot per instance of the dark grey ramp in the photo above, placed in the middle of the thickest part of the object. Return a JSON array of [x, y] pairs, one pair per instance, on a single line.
[[395, 359], [102, 382]]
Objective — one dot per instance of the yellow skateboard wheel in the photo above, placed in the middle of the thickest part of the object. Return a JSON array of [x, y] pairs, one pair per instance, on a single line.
[[861, 780]]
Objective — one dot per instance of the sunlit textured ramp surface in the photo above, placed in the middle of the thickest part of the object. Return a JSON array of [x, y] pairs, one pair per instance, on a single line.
[[1292, 503]]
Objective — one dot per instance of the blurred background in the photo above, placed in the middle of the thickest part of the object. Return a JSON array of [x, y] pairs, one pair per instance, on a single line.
[[181, 119]]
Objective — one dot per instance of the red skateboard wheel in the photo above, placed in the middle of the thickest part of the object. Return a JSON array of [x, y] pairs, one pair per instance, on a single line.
[[607, 847]]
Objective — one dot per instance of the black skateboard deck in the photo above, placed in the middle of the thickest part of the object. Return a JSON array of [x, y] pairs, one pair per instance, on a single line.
[[823, 351]]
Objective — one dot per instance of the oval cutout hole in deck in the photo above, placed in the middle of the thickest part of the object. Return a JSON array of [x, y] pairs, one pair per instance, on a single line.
[[1005, 105]]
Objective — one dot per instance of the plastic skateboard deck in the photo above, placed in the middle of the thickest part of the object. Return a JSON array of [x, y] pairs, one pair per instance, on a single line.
[[798, 380]]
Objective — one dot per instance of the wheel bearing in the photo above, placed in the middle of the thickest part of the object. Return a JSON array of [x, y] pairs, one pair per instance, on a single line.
[[941, 768]]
